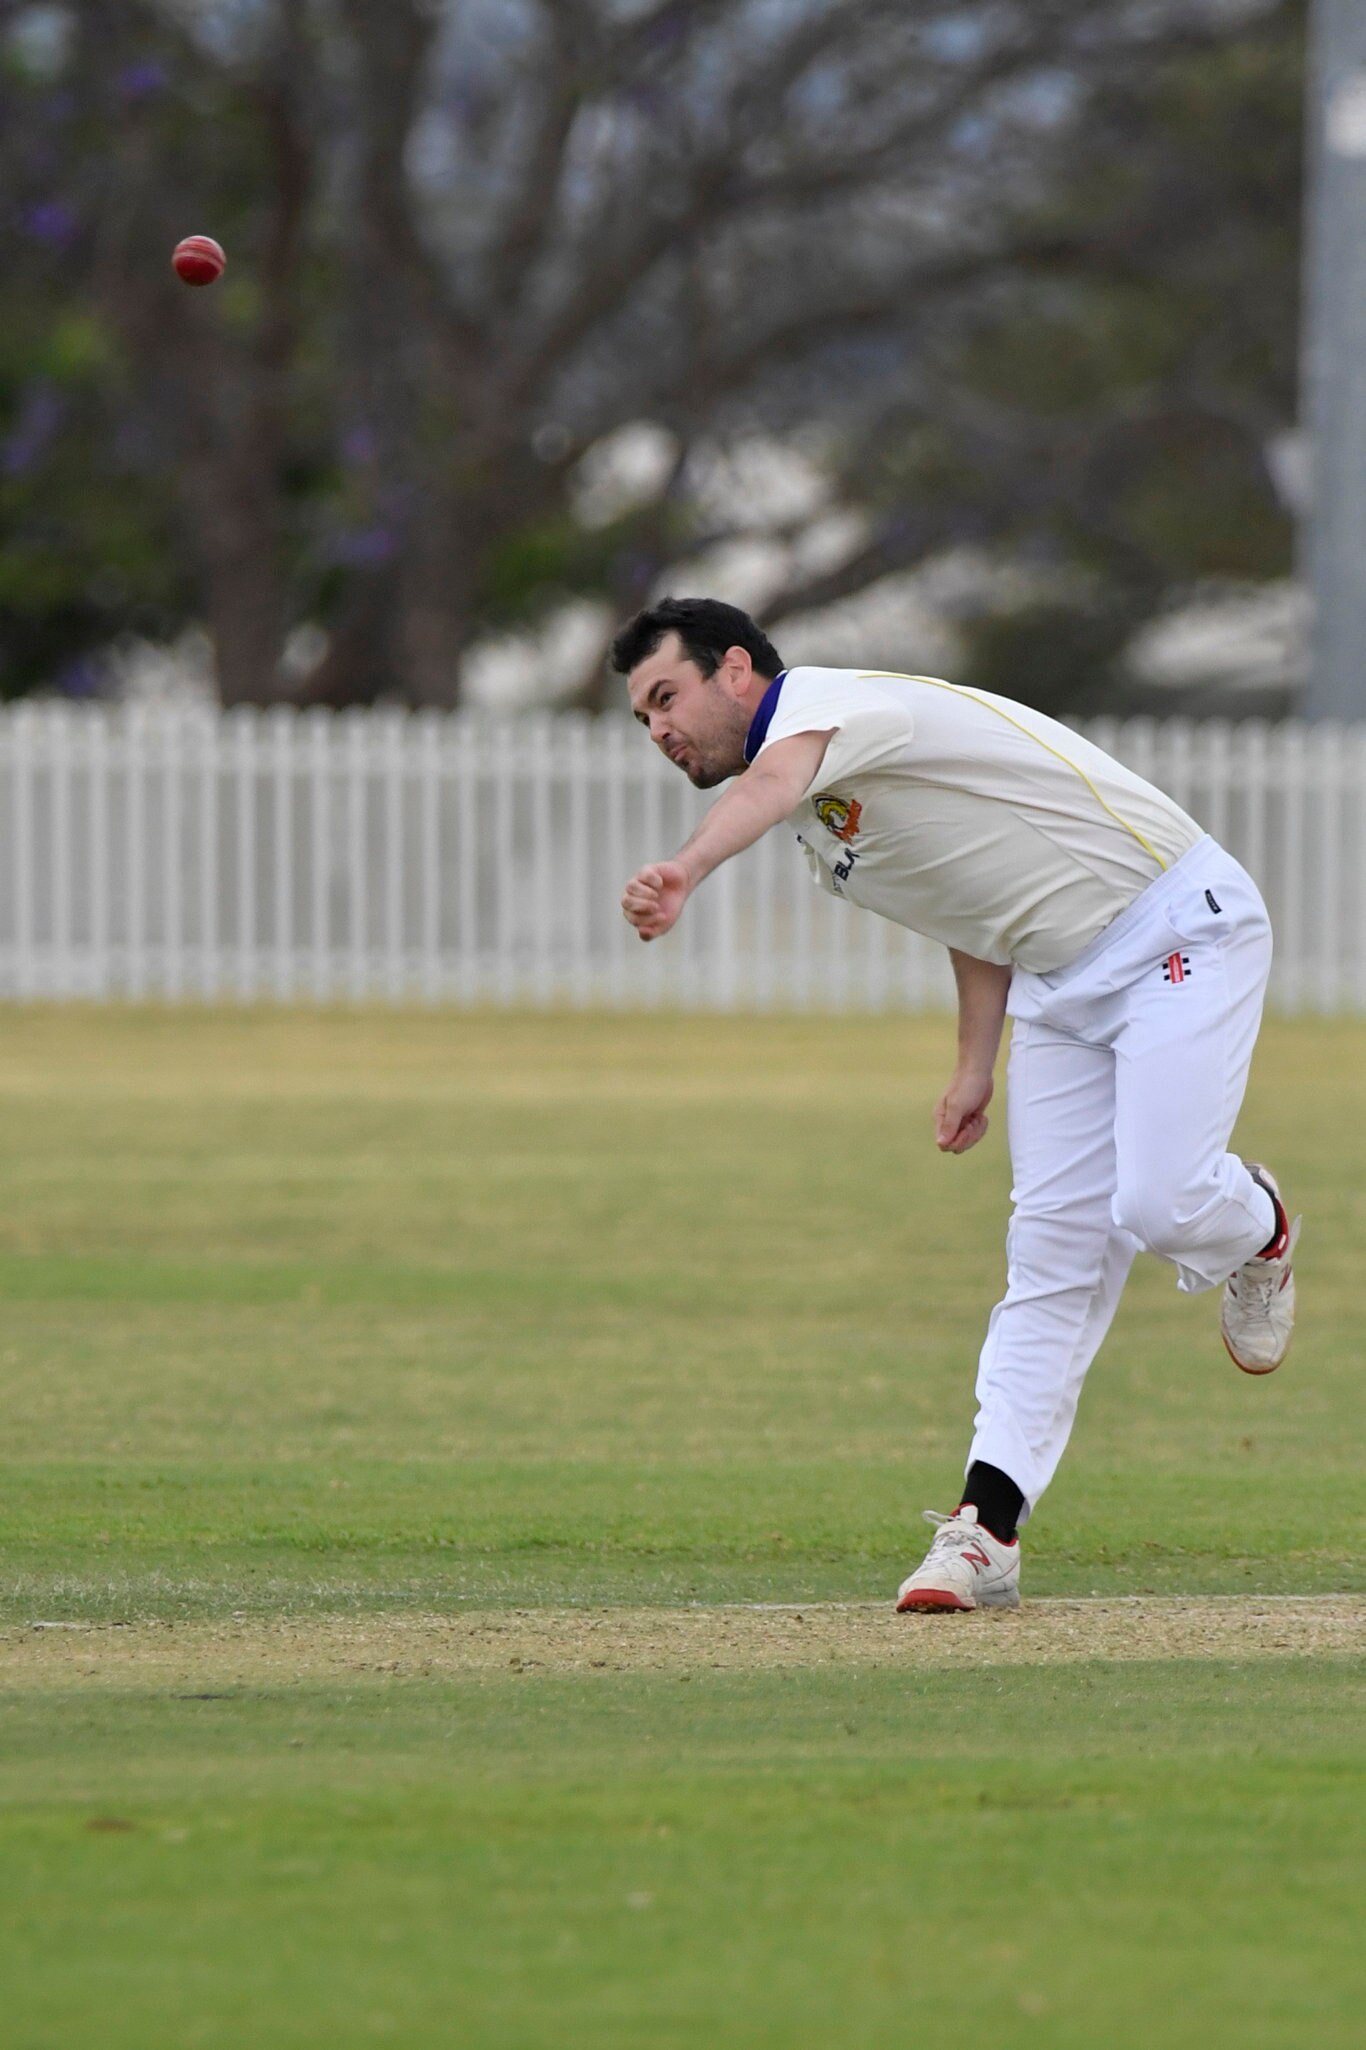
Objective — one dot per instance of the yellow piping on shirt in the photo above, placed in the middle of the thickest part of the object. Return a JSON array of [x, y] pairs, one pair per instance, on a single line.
[[960, 690]]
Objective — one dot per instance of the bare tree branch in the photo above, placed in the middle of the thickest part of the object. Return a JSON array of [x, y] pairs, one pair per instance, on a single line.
[[394, 41], [562, 86]]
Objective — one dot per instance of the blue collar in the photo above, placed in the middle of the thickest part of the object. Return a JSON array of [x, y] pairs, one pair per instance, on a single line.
[[763, 718]]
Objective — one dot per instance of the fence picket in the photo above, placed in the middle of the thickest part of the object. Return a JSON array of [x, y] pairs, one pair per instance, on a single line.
[[357, 894], [505, 763], [282, 854], [614, 774], [244, 770], [319, 784], [1326, 750], [207, 735], [60, 739], [578, 920], [21, 772], [1291, 922], [97, 879], [427, 764], [172, 889], [135, 830]]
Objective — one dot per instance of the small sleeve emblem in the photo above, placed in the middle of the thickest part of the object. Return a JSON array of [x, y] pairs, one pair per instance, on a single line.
[[839, 815]]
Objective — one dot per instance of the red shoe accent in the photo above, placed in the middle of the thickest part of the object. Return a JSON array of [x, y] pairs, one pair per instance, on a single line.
[[931, 1599]]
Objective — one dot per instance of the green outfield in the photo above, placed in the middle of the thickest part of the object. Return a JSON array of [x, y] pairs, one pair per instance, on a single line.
[[337, 1345]]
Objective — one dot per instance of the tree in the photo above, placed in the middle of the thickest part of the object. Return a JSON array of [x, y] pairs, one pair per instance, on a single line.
[[468, 241], [1128, 400]]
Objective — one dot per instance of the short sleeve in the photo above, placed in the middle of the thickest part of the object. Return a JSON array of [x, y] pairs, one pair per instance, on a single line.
[[869, 726]]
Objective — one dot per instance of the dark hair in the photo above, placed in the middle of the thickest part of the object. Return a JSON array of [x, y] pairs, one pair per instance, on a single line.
[[706, 628]]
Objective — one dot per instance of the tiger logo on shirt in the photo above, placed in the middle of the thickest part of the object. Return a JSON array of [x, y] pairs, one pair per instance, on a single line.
[[839, 815]]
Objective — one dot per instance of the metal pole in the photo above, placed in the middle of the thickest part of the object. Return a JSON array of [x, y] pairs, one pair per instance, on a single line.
[[1335, 360]]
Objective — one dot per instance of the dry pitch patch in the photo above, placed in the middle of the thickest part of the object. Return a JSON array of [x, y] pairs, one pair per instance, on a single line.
[[247, 1651]]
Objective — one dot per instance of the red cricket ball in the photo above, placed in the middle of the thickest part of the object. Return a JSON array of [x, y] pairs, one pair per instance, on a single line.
[[198, 260]]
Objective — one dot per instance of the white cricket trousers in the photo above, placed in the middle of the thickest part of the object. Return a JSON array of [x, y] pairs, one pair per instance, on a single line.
[[1127, 1069]]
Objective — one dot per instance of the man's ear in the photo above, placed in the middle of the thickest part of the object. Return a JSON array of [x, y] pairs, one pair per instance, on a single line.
[[739, 669]]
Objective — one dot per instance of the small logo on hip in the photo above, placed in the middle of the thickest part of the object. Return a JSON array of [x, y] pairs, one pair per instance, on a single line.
[[1176, 968]]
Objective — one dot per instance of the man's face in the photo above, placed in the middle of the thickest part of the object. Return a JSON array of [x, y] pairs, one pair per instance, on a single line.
[[698, 721]]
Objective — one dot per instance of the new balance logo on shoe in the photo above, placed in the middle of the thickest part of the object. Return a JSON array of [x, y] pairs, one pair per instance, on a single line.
[[965, 1568]]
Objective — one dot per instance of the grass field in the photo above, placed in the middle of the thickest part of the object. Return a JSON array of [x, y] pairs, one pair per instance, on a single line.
[[388, 1403]]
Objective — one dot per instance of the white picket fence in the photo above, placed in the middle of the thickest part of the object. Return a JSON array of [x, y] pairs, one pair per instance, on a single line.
[[191, 855]]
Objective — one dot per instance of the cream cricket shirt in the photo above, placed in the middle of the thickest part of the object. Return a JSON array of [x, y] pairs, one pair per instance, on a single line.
[[968, 817]]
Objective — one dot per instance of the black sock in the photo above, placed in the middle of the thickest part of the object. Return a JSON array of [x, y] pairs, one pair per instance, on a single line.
[[1276, 1244], [1279, 1238], [996, 1499]]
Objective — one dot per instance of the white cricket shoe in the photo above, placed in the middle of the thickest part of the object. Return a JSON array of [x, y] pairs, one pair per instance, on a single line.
[[1258, 1314], [965, 1568]]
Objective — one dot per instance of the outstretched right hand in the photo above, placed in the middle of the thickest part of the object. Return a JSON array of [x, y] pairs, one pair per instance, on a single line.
[[654, 897]]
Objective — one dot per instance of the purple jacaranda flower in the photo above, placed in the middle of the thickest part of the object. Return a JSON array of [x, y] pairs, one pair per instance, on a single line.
[[138, 81], [40, 416], [359, 446], [51, 221], [364, 547], [78, 679]]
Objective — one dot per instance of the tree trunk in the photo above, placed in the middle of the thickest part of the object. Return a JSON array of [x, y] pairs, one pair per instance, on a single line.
[[233, 507], [435, 607], [360, 664]]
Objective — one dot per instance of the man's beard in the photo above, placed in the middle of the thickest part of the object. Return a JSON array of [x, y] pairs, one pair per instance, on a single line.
[[712, 768]]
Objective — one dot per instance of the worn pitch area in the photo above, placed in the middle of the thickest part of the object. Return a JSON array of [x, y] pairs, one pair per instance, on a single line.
[[728, 1639]]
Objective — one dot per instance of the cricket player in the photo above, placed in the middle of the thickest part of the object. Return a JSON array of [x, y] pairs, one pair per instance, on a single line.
[[1130, 951]]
